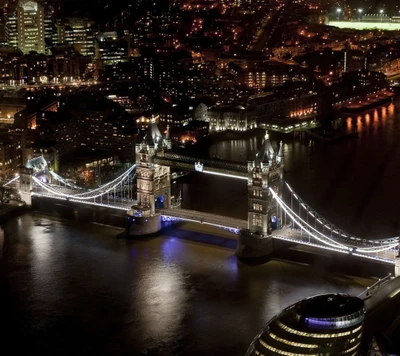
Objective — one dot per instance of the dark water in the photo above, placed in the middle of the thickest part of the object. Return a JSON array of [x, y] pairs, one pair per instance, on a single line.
[[73, 289], [354, 183], [70, 289]]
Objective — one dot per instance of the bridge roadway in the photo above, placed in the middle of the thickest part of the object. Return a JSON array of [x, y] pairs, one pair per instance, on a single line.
[[296, 236], [382, 312], [210, 166], [203, 218]]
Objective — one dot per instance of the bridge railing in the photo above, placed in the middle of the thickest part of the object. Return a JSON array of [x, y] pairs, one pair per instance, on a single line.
[[375, 287]]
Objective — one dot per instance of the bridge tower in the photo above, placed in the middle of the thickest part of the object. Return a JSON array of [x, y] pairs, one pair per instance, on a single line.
[[153, 185], [153, 181], [265, 172]]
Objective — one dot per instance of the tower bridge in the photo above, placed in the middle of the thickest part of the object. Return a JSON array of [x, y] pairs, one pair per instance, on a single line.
[[144, 193]]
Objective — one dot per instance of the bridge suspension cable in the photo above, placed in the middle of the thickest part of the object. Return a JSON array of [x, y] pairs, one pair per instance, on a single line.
[[296, 218], [326, 224], [118, 180], [89, 195], [10, 181]]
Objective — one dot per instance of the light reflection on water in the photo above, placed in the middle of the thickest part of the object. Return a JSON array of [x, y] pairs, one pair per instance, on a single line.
[[77, 290]]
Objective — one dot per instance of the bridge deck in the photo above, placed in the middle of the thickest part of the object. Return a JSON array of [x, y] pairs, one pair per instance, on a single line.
[[205, 218]]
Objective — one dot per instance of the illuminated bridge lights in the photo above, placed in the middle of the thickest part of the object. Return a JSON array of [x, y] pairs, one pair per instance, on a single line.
[[104, 189], [360, 252], [10, 181], [167, 218], [382, 244]]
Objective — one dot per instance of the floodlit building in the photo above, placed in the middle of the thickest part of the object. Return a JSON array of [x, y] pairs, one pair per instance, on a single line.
[[328, 324], [30, 26]]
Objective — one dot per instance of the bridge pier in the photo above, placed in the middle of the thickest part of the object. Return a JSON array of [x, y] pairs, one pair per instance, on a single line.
[[253, 245], [263, 216], [25, 186], [397, 266]]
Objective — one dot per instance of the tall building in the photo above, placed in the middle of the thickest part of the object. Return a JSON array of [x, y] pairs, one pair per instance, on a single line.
[[10, 26], [2, 27], [30, 26], [328, 324]]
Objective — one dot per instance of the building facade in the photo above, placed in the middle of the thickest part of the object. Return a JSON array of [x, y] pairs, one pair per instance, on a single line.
[[30, 25]]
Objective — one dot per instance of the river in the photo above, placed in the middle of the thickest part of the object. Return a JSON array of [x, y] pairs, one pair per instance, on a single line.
[[81, 289]]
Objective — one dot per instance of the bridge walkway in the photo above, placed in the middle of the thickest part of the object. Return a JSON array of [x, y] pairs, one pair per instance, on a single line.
[[204, 218], [219, 167]]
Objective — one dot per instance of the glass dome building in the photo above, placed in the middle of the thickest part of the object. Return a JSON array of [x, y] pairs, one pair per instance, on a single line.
[[329, 324]]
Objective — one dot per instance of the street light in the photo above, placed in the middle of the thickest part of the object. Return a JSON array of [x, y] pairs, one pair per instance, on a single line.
[[381, 12], [339, 10], [360, 13]]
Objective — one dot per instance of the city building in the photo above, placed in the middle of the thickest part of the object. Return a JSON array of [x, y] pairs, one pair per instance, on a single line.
[[10, 154], [190, 133], [9, 107], [330, 324], [76, 31], [91, 129], [227, 118], [10, 25], [30, 26], [110, 49], [354, 60]]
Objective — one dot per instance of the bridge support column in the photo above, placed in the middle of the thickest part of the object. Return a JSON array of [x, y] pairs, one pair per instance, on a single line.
[[254, 245], [397, 267], [25, 187]]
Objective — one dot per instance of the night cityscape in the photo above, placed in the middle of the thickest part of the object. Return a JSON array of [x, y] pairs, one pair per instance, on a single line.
[[197, 177]]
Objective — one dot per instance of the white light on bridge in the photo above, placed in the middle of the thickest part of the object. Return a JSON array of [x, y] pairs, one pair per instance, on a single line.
[[225, 175]]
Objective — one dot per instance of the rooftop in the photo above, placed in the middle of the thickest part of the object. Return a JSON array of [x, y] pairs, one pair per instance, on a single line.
[[329, 306]]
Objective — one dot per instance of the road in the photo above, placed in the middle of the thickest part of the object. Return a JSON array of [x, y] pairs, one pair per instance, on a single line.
[[382, 310]]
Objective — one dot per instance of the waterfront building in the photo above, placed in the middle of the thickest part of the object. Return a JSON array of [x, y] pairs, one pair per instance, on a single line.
[[30, 25], [328, 324], [227, 118]]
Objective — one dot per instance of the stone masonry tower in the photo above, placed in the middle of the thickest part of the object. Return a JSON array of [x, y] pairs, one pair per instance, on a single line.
[[153, 180], [265, 172]]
